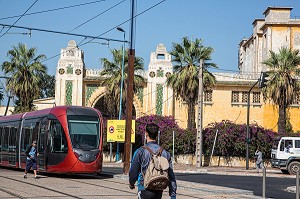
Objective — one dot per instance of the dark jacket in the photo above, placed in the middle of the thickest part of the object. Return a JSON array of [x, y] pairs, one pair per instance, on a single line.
[[140, 162], [28, 150]]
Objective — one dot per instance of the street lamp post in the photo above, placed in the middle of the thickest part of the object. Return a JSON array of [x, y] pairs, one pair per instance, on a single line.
[[121, 89]]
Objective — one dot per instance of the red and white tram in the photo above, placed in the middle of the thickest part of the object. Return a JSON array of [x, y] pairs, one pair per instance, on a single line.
[[69, 139]]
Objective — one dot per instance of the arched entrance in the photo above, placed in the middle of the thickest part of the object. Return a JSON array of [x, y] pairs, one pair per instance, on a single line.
[[97, 101]]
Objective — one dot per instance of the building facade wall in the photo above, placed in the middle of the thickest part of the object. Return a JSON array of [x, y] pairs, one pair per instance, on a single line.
[[227, 100]]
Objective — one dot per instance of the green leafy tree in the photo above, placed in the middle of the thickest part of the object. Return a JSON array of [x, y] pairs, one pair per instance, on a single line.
[[112, 77], [282, 84], [185, 79], [48, 86], [26, 72]]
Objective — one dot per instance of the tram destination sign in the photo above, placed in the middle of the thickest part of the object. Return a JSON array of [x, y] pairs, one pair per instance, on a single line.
[[116, 131]]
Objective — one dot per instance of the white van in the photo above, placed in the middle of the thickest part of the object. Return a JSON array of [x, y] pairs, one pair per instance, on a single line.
[[285, 154]]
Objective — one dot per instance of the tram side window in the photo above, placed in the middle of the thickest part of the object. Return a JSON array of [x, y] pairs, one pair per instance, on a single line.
[[58, 138], [26, 138], [0, 138], [12, 139], [35, 130], [5, 139]]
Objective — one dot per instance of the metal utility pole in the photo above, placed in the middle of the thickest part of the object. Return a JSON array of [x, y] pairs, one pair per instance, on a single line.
[[247, 135], [129, 97], [200, 116]]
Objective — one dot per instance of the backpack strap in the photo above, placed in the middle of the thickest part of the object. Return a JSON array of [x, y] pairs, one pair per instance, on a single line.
[[151, 152], [148, 149], [160, 151]]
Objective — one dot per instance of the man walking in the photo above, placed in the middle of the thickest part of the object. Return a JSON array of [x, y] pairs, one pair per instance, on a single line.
[[31, 154], [140, 163]]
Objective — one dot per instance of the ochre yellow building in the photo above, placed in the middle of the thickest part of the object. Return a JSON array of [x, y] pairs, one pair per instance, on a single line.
[[227, 100]]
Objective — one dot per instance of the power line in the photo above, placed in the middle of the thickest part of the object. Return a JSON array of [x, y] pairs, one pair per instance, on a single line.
[[128, 20], [86, 36], [33, 13], [97, 15], [19, 18], [110, 29], [63, 33]]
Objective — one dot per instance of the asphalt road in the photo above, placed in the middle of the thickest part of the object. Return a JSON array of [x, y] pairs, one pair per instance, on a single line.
[[275, 186]]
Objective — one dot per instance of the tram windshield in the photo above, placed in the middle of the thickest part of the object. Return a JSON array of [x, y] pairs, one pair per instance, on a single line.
[[84, 132]]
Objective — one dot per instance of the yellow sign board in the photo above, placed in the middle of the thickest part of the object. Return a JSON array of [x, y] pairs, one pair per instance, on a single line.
[[116, 131]]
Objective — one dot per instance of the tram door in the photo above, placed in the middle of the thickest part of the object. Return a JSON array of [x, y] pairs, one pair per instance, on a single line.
[[12, 146], [42, 144]]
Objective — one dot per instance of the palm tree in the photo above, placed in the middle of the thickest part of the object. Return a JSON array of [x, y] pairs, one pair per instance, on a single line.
[[185, 80], [48, 86], [282, 85], [26, 72], [112, 77]]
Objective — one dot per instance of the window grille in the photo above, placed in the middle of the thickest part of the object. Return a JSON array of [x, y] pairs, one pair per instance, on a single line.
[[208, 96], [244, 97], [256, 97], [235, 96]]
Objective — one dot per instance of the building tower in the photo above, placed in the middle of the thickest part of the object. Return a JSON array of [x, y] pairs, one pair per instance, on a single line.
[[159, 98], [69, 76]]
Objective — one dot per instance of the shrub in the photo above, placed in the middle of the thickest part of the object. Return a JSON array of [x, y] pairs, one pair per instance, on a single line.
[[184, 139], [231, 139]]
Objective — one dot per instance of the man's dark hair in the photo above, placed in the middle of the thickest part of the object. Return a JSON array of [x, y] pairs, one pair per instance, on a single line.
[[152, 130]]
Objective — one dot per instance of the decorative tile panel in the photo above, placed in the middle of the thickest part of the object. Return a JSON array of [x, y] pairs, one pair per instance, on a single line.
[[90, 88], [69, 88], [160, 72], [159, 99], [69, 69]]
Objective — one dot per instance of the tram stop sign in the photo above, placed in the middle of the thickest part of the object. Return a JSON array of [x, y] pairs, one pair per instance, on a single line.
[[116, 131]]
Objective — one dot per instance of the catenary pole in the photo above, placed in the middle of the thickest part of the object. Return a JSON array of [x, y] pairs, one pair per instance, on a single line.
[[199, 128], [248, 118], [129, 98]]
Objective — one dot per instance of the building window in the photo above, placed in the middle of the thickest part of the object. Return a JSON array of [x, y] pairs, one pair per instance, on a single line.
[[256, 97], [235, 96], [244, 97], [296, 99], [208, 96]]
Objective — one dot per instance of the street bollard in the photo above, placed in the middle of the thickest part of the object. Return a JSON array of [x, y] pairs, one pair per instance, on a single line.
[[264, 182], [297, 185]]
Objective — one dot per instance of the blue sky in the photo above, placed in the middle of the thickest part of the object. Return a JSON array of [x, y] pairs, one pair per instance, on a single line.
[[220, 24]]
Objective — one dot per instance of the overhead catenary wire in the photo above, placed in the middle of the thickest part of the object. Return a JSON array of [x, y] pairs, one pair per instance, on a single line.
[[55, 9], [18, 19], [99, 36], [97, 15]]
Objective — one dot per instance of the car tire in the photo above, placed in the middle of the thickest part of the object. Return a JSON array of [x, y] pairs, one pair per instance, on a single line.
[[294, 167], [284, 171]]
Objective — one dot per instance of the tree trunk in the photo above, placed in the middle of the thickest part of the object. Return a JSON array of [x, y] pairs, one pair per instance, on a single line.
[[191, 116], [282, 119]]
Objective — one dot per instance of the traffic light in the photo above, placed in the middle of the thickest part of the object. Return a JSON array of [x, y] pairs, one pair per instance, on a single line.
[[263, 79]]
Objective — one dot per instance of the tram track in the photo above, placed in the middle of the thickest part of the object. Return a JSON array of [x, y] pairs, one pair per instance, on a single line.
[[11, 193], [123, 183], [123, 189], [35, 185]]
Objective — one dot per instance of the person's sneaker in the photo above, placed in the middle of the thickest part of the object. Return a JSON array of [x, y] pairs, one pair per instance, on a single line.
[[36, 177], [25, 176]]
